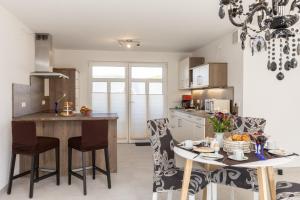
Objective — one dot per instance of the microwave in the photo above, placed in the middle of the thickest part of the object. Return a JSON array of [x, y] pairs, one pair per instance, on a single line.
[[217, 105]]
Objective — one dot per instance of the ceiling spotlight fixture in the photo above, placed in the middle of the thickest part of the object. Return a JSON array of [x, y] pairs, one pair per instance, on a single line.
[[271, 25], [129, 43]]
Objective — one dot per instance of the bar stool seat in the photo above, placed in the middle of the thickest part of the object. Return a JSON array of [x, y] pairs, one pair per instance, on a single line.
[[76, 143], [94, 136], [43, 144], [25, 142]]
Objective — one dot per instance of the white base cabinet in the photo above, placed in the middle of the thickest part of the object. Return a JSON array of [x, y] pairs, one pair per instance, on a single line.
[[186, 127]]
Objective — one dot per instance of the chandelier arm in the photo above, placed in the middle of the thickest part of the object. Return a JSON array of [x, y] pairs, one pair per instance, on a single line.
[[260, 7], [231, 19]]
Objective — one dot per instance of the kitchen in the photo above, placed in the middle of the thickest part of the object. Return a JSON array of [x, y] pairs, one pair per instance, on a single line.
[[122, 73]]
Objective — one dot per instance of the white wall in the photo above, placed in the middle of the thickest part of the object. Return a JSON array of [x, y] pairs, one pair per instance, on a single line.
[[277, 101], [222, 50], [80, 59], [16, 62]]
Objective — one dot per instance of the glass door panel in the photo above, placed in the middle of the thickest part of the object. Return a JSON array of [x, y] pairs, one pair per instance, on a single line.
[[118, 104], [156, 100], [138, 111], [134, 91], [99, 97]]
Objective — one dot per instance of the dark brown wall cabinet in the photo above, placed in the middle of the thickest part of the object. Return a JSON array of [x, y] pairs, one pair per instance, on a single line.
[[59, 87]]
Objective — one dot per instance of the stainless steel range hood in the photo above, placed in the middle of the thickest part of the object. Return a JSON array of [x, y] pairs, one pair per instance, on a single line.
[[44, 57]]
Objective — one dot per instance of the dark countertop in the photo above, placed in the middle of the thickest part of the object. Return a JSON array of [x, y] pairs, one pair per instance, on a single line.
[[197, 113], [76, 117]]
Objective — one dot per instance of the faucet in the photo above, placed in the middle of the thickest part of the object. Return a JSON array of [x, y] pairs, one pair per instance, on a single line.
[[57, 102]]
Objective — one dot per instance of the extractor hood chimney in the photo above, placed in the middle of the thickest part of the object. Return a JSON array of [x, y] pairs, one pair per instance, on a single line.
[[44, 57]]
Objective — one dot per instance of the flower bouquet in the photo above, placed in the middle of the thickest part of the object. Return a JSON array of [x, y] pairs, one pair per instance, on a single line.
[[221, 123]]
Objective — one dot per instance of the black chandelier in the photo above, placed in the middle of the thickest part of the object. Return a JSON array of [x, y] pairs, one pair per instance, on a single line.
[[269, 27]]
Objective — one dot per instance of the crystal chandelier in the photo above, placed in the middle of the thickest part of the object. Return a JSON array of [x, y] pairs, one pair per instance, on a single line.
[[270, 25]]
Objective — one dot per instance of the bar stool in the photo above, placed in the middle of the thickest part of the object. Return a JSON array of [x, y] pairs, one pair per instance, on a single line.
[[94, 136], [25, 142]]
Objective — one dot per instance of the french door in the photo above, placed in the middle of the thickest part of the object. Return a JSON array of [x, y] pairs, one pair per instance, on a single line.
[[135, 91]]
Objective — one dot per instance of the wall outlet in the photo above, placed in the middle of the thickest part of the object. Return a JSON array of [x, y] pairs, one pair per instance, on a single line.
[[23, 104], [43, 102]]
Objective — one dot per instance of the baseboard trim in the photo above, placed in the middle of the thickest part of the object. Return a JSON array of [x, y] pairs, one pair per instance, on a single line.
[[3, 190]]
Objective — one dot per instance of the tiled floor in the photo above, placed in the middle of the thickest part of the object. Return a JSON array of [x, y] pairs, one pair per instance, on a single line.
[[133, 182]]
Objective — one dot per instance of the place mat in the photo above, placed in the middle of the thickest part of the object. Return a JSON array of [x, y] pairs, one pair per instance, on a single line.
[[251, 157]]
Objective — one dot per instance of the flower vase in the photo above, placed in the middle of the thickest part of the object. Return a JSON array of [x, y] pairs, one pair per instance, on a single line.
[[219, 137]]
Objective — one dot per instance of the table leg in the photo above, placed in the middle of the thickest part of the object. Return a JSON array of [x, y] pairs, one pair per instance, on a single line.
[[272, 184], [214, 191], [207, 191], [262, 183], [186, 179]]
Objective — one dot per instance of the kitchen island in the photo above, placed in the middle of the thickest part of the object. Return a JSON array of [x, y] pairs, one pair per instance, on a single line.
[[52, 125]]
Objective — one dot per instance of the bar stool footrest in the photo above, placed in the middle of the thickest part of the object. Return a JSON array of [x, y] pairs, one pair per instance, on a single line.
[[45, 176], [76, 175], [102, 171], [22, 174]]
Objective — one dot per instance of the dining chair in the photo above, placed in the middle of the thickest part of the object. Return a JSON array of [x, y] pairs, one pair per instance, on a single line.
[[94, 136], [245, 178], [25, 142], [287, 190], [248, 124], [167, 177]]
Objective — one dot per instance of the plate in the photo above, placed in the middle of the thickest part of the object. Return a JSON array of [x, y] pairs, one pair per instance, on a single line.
[[279, 152], [184, 147], [211, 156], [195, 143], [233, 158], [187, 148], [204, 149]]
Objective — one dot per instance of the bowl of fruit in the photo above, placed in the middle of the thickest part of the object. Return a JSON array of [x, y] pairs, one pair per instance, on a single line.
[[84, 110]]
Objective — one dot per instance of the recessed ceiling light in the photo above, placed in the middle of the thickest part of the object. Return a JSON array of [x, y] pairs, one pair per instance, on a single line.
[[129, 43]]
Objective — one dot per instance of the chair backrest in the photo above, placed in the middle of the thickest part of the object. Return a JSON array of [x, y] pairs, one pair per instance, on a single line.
[[94, 133], [24, 135], [162, 144], [248, 124]]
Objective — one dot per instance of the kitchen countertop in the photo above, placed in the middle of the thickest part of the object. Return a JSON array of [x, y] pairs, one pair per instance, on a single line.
[[76, 117], [197, 113]]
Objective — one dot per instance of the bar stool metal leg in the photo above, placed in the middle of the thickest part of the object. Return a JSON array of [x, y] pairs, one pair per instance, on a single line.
[[84, 173], [33, 164], [94, 163], [37, 167], [11, 174], [107, 167], [69, 164], [57, 166]]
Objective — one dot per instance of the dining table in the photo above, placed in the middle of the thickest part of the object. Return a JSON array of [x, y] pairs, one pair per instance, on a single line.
[[265, 171]]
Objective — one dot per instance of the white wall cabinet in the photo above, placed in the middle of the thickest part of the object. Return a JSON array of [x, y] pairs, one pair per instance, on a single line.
[[184, 70], [210, 75], [186, 127], [184, 76]]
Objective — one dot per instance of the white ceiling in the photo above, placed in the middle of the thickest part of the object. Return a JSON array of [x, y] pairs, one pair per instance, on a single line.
[[161, 25]]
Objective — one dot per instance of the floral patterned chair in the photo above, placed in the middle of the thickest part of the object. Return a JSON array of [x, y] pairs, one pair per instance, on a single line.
[[248, 124], [245, 178], [287, 190], [167, 177]]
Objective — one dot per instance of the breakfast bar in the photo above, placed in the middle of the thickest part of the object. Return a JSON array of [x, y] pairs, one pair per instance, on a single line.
[[52, 125]]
